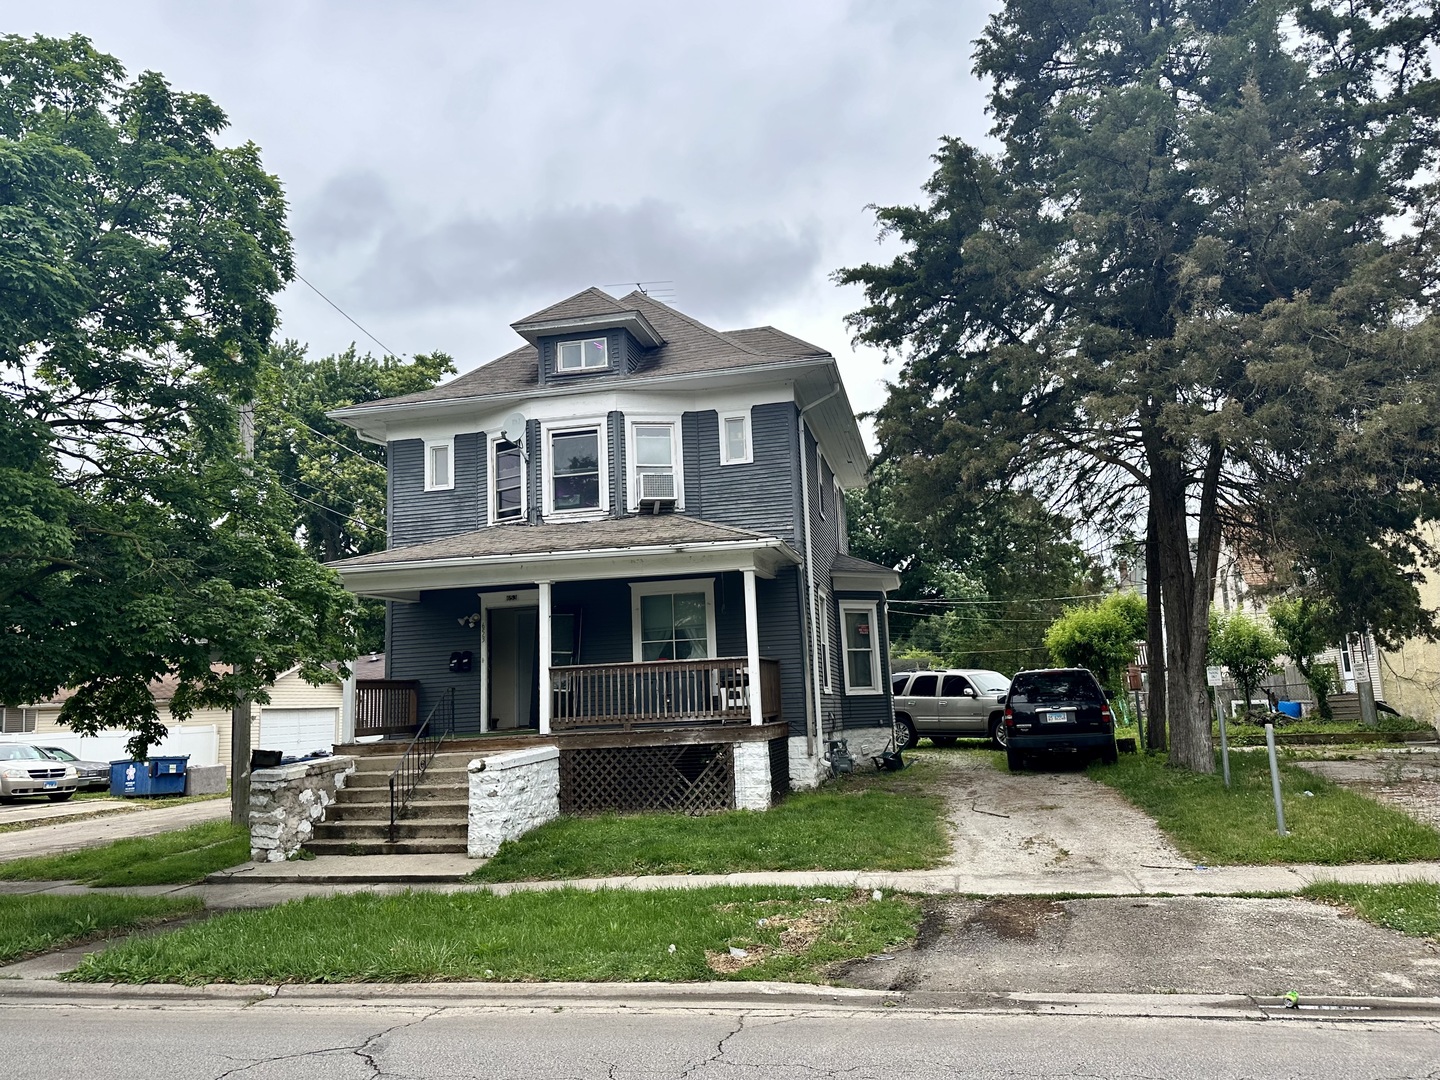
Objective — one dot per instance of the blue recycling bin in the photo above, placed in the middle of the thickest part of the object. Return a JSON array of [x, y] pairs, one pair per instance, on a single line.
[[1289, 708], [157, 776]]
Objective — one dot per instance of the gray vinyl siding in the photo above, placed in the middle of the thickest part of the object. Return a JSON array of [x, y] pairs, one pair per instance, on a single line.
[[782, 638], [761, 496], [421, 638], [616, 437], [604, 608], [417, 515], [823, 535], [536, 454], [866, 710]]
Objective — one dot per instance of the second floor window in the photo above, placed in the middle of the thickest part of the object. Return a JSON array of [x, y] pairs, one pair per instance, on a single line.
[[655, 461], [438, 459], [509, 482], [588, 355], [575, 470]]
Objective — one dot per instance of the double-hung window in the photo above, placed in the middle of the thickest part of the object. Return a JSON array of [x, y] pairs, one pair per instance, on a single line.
[[859, 627], [592, 354], [655, 461], [735, 447], [673, 620], [575, 469], [507, 468], [17, 721], [439, 465]]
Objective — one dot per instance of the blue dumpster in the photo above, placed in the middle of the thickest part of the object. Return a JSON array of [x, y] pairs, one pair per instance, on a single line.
[[1289, 708], [157, 776]]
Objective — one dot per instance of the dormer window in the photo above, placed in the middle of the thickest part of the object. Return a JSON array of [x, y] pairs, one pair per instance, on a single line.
[[592, 354]]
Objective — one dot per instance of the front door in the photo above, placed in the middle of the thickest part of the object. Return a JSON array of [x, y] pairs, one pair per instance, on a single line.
[[514, 638]]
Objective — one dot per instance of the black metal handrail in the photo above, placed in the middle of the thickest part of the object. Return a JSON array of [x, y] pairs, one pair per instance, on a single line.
[[439, 723]]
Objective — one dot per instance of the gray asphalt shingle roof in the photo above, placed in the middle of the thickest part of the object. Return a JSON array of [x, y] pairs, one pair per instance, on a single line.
[[690, 347], [644, 530]]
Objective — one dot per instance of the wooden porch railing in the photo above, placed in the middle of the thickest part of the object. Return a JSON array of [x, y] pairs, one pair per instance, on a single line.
[[386, 706], [661, 692]]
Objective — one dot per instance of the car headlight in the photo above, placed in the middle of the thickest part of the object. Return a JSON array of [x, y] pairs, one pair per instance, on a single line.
[[15, 774], [70, 772]]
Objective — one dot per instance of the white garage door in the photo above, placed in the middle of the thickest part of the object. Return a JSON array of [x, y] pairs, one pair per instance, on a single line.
[[297, 731]]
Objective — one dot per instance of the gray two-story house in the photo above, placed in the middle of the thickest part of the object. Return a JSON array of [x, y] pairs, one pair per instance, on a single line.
[[627, 538]]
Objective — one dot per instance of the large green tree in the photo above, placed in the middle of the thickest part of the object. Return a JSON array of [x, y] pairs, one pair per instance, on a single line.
[[138, 263], [337, 480], [1195, 284]]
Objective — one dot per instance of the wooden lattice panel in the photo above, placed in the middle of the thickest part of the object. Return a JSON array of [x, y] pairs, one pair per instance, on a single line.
[[779, 769], [692, 779]]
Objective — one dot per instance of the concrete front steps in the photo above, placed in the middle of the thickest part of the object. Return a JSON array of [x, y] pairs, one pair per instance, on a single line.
[[435, 823]]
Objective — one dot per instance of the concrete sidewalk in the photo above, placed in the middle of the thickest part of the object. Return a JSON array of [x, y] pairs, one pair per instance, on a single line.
[[260, 886]]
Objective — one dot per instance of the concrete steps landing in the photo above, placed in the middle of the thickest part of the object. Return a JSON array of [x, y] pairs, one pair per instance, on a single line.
[[435, 822]]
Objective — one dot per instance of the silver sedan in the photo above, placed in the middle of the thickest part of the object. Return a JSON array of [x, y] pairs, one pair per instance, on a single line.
[[92, 774], [24, 770]]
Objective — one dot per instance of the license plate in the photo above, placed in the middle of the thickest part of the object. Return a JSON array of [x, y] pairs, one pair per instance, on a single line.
[[1056, 717], [52, 783]]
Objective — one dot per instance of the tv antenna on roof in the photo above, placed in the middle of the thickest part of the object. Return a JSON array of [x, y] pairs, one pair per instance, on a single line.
[[655, 290]]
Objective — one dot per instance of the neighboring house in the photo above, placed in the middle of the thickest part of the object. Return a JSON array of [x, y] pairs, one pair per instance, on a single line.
[[627, 536], [298, 718], [1241, 581], [1412, 669]]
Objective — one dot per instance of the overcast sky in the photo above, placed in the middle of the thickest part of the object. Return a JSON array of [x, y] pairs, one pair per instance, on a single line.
[[452, 167]]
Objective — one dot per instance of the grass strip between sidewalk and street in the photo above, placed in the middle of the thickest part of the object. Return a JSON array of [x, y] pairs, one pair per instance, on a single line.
[[564, 935], [170, 858], [1330, 825], [36, 924], [871, 821], [1412, 907]]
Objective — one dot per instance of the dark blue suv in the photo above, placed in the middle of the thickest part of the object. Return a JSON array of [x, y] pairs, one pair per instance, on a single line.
[[1058, 709]]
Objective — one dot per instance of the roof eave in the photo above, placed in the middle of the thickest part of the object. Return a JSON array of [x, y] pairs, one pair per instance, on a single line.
[[633, 321]]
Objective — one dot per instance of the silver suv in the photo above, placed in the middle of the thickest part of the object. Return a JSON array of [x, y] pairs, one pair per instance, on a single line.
[[946, 705]]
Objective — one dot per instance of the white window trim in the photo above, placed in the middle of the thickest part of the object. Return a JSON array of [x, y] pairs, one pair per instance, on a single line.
[[431, 444], [749, 456], [632, 480], [827, 660], [820, 481], [582, 423], [842, 520], [582, 342], [681, 585], [872, 608], [490, 504]]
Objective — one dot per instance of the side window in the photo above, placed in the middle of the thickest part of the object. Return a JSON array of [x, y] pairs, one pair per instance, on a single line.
[[954, 686], [923, 686], [735, 444], [439, 465], [897, 683], [507, 482]]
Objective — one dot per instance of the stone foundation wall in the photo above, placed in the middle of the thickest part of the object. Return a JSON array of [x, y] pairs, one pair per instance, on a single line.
[[288, 801], [752, 776], [510, 794], [865, 743], [806, 774]]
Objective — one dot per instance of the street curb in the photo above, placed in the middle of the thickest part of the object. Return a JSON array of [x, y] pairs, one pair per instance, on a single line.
[[757, 996]]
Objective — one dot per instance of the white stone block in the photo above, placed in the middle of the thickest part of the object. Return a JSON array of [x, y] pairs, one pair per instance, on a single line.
[[752, 775]]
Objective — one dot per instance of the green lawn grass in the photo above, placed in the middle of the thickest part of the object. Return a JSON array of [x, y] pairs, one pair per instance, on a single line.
[[871, 821], [561, 935], [1213, 825], [36, 924], [1253, 734], [172, 858], [1411, 907]]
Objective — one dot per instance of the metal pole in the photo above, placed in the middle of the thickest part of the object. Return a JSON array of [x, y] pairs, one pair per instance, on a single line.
[[1224, 740], [1275, 779]]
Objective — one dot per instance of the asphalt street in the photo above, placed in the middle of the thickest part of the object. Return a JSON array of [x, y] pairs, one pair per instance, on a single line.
[[277, 1040]]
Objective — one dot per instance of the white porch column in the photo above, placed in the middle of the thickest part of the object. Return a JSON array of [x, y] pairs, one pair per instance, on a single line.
[[752, 647], [546, 696]]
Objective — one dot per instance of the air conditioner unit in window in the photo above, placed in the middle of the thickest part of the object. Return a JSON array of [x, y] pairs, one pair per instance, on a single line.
[[657, 491]]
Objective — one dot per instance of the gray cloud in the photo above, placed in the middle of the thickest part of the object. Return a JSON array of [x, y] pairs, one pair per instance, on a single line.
[[470, 260]]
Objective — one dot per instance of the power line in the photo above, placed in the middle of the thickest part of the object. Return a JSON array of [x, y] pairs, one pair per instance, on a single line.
[[348, 449], [1025, 600], [322, 506], [388, 351]]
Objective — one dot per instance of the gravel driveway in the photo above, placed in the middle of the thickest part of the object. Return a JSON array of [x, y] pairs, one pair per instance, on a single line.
[[1406, 780], [1056, 824]]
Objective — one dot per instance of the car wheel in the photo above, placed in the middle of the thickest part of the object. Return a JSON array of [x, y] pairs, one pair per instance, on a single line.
[[1015, 759], [905, 736], [59, 796], [943, 740], [999, 733]]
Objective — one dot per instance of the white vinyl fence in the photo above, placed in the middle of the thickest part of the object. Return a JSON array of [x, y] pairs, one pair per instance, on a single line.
[[202, 743]]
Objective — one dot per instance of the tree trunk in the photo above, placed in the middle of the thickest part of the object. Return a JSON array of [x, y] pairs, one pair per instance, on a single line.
[[1154, 639], [1186, 588]]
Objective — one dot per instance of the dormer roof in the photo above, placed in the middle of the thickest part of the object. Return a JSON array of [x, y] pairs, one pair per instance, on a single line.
[[591, 310]]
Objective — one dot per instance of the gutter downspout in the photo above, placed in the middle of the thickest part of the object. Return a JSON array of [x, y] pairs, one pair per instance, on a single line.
[[813, 731]]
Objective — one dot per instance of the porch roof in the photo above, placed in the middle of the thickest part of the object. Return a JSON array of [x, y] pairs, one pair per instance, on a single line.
[[642, 545], [859, 575]]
